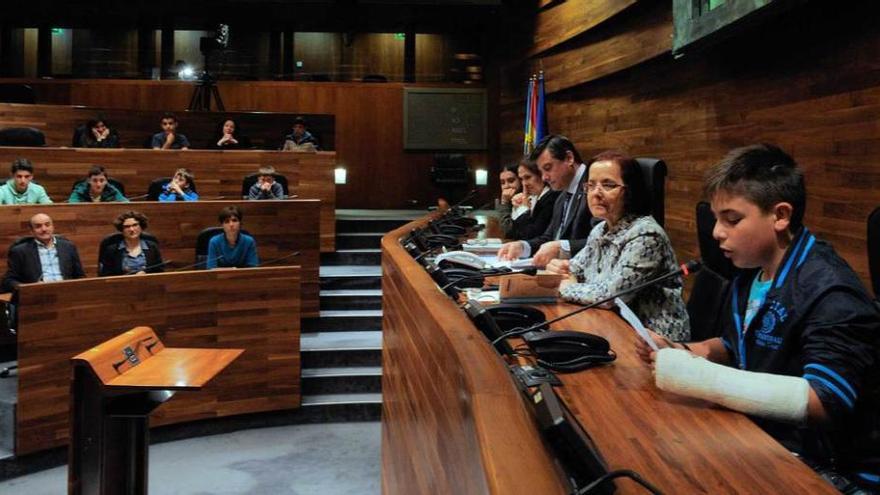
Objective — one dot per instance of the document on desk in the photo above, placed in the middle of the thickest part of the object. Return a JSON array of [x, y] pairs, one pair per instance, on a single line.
[[635, 322]]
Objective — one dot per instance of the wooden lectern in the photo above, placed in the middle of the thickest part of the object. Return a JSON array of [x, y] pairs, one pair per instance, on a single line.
[[115, 386]]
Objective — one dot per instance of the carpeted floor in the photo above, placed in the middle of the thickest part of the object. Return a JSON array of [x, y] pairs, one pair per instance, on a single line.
[[321, 459]]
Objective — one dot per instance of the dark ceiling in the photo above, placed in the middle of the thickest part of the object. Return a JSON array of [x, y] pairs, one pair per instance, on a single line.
[[262, 15]]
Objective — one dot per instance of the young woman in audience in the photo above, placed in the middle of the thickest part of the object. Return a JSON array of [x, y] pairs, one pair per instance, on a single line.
[[181, 187], [96, 189], [229, 137], [535, 203], [96, 133], [628, 247], [232, 248], [132, 254]]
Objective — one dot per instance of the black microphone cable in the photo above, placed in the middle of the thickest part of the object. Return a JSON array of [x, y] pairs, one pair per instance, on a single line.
[[197, 263], [291, 255], [531, 271], [685, 269]]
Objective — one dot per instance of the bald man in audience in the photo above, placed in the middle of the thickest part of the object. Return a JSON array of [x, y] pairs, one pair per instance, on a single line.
[[44, 257]]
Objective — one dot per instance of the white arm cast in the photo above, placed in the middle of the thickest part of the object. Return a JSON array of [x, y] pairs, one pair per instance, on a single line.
[[778, 397]]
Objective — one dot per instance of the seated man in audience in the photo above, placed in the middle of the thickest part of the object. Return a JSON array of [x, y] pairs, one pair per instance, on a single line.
[[266, 187], [169, 138], [181, 187], [20, 189], [300, 139], [232, 248], [562, 168], [96, 189], [800, 337], [43, 258]]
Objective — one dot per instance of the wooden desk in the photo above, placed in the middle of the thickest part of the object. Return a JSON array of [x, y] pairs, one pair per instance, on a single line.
[[256, 309], [443, 386], [279, 227], [218, 173]]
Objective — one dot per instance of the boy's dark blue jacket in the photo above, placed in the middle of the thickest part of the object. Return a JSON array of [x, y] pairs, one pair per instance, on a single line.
[[817, 322]]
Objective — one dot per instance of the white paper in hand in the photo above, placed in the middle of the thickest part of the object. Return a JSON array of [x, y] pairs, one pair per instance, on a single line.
[[635, 322]]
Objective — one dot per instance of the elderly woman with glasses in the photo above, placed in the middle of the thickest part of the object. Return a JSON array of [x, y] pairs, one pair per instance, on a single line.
[[627, 248]]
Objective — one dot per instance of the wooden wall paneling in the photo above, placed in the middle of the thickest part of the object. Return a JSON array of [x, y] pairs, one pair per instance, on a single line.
[[566, 20], [134, 127], [279, 228], [612, 47], [254, 309], [452, 419], [218, 174], [368, 127], [817, 99]]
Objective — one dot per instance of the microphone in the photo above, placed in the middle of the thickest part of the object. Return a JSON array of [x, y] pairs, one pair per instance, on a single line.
[[197, 263], [135, 198], [291, 255], [463, 200], [530, 271], [685, 269], [157, 265]]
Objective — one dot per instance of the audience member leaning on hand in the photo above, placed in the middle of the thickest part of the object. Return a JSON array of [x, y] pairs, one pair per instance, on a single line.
[[169, 138], [20, 188], [800, 336], [181, 187], [624, 250]]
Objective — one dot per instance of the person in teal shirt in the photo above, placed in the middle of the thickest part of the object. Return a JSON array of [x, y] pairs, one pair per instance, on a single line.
[[20, 190], [232, 248], [96, 189]]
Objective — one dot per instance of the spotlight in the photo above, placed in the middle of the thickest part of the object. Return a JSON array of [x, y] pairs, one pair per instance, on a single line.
[[187, 73]]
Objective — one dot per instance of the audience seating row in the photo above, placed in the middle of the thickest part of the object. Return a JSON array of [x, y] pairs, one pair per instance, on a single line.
[[265, 130], [279, 227], [218, 174]]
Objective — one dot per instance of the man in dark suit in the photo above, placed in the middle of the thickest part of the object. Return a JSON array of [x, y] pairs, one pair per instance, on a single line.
[[41, 258], [562, 168]]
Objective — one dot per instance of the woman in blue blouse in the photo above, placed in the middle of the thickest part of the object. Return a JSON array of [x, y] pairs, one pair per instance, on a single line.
[[232, 248], [181, 187], [133, 254]]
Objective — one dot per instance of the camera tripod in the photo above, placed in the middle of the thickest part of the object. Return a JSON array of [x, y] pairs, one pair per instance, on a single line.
[[206, 88]]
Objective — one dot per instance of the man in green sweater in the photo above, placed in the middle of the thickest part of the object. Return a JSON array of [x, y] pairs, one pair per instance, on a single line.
[[19, 190]]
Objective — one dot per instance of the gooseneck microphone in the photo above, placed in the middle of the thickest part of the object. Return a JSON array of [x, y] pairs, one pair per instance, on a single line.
[[531, 271], [685, 269], [276, 260]]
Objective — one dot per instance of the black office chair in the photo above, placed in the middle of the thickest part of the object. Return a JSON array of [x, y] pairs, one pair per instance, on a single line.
[[250, 180], [11, 321], [22, 136], [202, 242], [17, 93], [712, 283], [874, 250], [115, 183], [654, 173], [157, 185]]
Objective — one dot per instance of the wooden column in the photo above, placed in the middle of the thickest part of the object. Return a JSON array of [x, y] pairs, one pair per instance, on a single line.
[[146, 56], [287, 69], [44, 51], [5, 51], [274, 53], [167, 51], [409, 56]]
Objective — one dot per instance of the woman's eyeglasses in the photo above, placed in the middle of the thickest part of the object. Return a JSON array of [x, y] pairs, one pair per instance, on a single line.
[[604, 186]]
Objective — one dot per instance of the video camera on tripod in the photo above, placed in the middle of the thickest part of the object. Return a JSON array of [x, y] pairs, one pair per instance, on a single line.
[[206, 85]]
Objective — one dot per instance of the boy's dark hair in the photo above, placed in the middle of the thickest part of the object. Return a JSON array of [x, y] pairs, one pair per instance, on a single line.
[[21, 164], [168, 115], [764, 175], [90, 124], [636, 196], [230, 211], [299, 120], [97, 170], [557, 145], [140, 217]]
